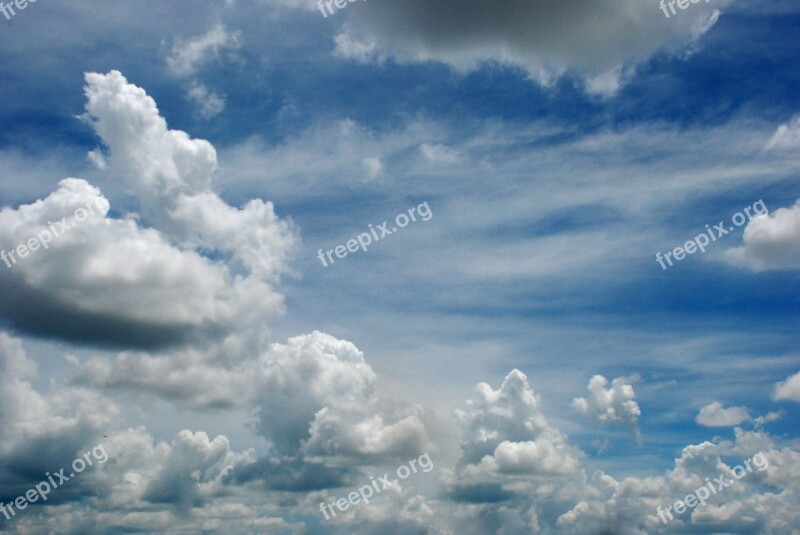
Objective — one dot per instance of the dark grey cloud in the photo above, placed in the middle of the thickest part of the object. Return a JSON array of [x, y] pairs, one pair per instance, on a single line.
[[602, 40]]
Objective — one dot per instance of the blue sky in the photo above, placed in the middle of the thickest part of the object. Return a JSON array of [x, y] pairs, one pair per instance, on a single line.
[[559, 146]]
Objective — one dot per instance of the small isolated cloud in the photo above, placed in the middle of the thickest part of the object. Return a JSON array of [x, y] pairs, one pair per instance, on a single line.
[[187, 56], [355, 49], [788, 390], [615, 405], [606, 84], [770, 241], [208, 102], [715, 415], [772, 416]]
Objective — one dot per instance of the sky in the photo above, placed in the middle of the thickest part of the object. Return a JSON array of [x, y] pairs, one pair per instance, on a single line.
[[444, 267]]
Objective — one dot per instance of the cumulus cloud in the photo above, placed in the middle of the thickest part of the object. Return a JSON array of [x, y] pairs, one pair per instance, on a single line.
[[39, 432], [715, 415], [517, 474], [770, 241], [510, 453], [194, 466], [317, 395], [505, 484], [629, 506], [600, 41], [173, 184], [615, 405], [788, 390], [107, 273], [144, 280]]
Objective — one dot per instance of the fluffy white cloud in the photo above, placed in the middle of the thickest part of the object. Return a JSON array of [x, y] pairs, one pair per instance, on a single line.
[[611, 405], [317, 395], [715, 415], [173, 182], [630, 506], [142, 280], [41, 433], [771, 241], [788, 389], [518, 474], [112, 272], [601, 41], [510, 454], [193, 469], [313, 396]]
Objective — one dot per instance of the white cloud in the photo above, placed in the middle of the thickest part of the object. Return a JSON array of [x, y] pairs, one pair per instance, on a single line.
[[786, 137], [32, 423], [313, 396], [505, 434], [173, 184], [615, 405], [208, 102], [187, 56], [606, 84], [316, 394], [770, 241], [788, 390], [518, 474], [772, 416], [109, 267], [355, 49], [192, 470], [201, 378], [144, 280], [715, 415]]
